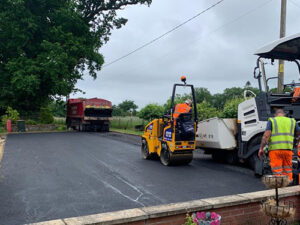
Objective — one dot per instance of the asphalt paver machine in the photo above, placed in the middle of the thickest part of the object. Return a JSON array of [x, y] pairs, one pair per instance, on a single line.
[[173, 140], [238, 139], [287, 49]]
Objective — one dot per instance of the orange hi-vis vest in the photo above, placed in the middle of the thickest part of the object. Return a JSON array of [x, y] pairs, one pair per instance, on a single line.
[[181, 108], [296, 95]]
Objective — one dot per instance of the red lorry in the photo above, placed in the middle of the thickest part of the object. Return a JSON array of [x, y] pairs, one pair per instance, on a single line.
[[89, 114]]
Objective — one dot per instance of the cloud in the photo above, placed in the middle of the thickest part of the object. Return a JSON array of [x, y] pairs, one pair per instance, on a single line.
[[214, 51]]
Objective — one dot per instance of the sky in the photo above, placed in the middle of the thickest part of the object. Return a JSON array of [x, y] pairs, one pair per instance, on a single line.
[[214, 51]]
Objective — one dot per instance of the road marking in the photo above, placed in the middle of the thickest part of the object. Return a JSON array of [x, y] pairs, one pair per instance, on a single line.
[[117, 176]]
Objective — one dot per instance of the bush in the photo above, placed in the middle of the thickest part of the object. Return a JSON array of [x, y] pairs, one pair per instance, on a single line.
[[46, 116], [151, 111], [11, 114], [205, 111], [231, 108], [62, 128], [31, 122]]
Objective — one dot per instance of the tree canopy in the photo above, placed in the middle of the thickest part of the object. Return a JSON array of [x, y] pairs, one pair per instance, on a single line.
[[151, 111], [46, 45], [125, 108]]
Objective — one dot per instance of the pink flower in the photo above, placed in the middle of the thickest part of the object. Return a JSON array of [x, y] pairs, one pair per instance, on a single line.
[[214, 216], [201, 215], [216, 222]]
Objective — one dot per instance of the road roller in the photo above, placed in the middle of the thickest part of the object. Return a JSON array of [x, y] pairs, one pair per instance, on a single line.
[[171, 138]]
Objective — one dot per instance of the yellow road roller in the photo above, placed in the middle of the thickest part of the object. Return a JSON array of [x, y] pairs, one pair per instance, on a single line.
[[172, 138]]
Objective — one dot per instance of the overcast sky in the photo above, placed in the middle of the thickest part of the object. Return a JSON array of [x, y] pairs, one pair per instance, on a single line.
[[215, 50]]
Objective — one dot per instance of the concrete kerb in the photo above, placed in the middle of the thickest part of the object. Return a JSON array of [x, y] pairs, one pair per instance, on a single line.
[[132, 215], [2, 144]]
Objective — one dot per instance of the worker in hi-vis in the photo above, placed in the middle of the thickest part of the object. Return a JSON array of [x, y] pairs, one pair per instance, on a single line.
[[185, 107], [279, 136]]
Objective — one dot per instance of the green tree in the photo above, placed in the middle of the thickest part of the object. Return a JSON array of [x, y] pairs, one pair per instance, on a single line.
[[46, 116], [178, 99], [151, 111], [58, 108], [203, 94], [47, 45], [116, 111], [11, 114], [248, 84], [205, 110], [128, 107], [231, 108]]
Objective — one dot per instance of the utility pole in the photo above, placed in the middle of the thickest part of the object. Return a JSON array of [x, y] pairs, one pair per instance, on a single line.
[[282, 34]]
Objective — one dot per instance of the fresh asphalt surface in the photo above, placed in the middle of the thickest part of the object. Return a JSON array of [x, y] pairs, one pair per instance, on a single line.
[[57, 175]]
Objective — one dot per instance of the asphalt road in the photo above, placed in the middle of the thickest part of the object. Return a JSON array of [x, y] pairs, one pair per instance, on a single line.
[[57, 175]]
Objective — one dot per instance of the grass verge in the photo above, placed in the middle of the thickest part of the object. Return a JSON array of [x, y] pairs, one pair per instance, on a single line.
[[123, 131]]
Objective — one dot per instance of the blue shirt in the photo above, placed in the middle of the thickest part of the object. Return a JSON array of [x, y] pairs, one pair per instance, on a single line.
[[269, 127]]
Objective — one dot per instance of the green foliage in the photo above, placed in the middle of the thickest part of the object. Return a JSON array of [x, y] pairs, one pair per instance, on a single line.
[[62, 128], [203, 94], [46, 116], [151, 111], [11, 114], [58, 108], [205, 110], [47, 45], [178, 99], [189, 220], [231, 108], [219, 100], [128, 106], [125, 108], [31, 122]]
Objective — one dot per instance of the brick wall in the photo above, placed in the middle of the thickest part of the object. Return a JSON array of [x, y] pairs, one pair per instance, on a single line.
[[245, 214], [241, 209]]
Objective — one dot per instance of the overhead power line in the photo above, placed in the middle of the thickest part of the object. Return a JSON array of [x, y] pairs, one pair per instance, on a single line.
[[164, 34], [179, 49]]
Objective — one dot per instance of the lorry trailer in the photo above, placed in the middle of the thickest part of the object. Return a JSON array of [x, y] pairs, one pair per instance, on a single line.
[[89, 114], [239, 139]]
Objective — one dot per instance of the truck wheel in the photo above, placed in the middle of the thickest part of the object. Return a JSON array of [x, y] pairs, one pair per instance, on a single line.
[[255, 162], [231, 157], [145, 150], [165, 157]]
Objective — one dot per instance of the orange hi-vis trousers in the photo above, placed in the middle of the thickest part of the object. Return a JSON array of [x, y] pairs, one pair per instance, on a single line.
[[281, 162]]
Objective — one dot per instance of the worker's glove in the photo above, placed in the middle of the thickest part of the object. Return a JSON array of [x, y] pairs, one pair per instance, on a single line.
[[260, 153]]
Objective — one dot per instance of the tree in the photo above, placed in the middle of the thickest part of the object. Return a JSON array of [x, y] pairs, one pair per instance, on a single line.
[[205, 110], [58, 108], [151, 111], [248, 84], [47, 45], [177, 99], [128, 107], [203, 94], [116, 111], [231, 108]]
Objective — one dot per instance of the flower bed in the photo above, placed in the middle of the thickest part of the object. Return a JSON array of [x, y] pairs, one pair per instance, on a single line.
[[204, 218]]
